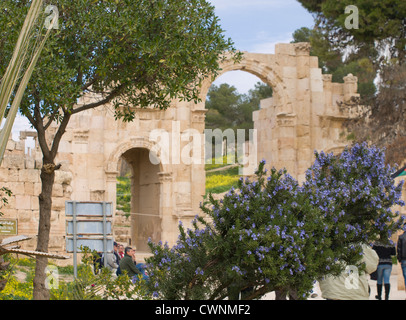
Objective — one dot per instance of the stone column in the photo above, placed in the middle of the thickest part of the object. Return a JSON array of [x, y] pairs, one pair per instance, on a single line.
[[166, 208], [304, 108], [285, 135], [198, 174], [111, 187], [350, 87]]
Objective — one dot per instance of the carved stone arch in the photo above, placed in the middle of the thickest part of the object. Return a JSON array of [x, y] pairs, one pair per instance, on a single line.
[[264, 72], [136, 142], [150, 191]]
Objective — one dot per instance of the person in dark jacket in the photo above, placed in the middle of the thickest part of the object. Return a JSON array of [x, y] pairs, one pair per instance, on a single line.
[[127, 264], [401, 254], [384, 269]]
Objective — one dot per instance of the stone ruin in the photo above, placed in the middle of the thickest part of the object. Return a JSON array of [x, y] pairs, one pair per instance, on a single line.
[[302, 116]]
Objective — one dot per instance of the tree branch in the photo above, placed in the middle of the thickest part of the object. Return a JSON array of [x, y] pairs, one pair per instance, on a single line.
[[36, 121], [59, 134], [116, 92]]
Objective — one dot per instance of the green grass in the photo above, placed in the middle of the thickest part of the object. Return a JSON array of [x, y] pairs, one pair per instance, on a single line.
[[124, 194]]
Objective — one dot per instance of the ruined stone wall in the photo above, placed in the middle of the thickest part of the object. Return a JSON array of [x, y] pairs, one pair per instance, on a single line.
[[20, 172], [314, 121]]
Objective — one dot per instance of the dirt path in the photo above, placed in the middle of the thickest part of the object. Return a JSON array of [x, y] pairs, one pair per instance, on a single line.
[[223, 168]]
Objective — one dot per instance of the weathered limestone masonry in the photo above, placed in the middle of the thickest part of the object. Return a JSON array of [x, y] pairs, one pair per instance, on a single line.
[[302, 116], [20, 172]]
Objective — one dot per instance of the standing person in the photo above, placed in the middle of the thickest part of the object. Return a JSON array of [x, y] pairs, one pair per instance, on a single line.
[[118, 256], [113, 260], [115, 252], [401, 254], [385, 252]]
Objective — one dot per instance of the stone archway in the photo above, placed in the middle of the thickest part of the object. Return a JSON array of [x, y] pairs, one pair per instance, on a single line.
[[303, 115], [145, 198], [150, 186], [276, 128], [260, 65]]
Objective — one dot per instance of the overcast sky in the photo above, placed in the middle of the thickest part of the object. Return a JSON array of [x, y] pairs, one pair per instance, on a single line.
[[254, 26]]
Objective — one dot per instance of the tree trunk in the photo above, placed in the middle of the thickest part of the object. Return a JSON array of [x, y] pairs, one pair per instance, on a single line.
[[45, 198], [44, 227], [3, 267]]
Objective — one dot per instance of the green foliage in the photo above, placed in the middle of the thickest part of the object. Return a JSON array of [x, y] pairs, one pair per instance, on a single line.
[[15, 289], [137, 52], [216, 163], [376, 54], [380, 22], [124, 194], [100, 286], [19, 67], [229, 109], [221, 181]]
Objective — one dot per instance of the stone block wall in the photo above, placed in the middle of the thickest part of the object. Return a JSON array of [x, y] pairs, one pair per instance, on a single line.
[[20, 172]]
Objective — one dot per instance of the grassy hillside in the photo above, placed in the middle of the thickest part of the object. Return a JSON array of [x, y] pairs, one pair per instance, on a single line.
[[124, 194], [219, 178], [220, 181]]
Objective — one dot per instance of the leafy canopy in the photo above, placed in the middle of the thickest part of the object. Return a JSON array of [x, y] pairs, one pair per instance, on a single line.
[[227, 108], [380, 21], [131, 52]]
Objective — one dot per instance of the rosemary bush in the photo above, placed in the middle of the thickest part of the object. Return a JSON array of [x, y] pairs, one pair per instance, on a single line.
[[274, 234]]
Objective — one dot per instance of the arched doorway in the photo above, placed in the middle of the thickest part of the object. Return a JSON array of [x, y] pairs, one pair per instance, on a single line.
[[275, 123], [231, 141], [268, 72], [145, 198]]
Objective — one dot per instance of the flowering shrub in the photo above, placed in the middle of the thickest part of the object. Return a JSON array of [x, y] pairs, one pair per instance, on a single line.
[[356, 193], [273, 234]]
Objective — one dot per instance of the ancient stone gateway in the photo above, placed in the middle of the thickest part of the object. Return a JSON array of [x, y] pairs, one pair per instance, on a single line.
[[303, 116]]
